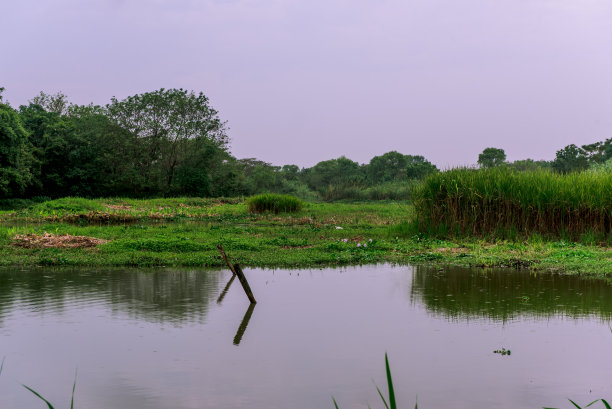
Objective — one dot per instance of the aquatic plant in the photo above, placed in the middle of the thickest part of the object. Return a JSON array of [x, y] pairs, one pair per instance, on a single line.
[[274, 203], [391, 403], [606, 404], [49, 405], [505, 202]]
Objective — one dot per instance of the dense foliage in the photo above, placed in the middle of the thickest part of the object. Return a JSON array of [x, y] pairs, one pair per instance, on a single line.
[[501, 200], [172, 142], [167, 143]]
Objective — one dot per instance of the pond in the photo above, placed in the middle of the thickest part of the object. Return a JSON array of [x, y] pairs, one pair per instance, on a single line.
[[180, 339]]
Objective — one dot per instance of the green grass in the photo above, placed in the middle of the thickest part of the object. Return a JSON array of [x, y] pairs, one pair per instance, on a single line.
[[391, 402], [603, 401], [274, 203], [185, 232], [501, 202]]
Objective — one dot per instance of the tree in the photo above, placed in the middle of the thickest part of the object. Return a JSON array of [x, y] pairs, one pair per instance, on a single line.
[[491, 157], [417, 167], [15, 154], [387, 167], [56, 103], [162, 123], [598, 152], [334, 172], [260, 176], [51, 138], [571, 159], [529, 165], [393, 166]]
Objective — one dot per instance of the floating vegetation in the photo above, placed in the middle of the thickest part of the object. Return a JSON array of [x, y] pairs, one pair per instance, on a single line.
[[502, 352], [48, 240]]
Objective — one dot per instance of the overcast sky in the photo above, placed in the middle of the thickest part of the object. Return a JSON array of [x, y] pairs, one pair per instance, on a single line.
[[300, 81]]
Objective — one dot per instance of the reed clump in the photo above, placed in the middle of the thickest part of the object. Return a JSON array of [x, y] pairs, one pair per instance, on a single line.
[[274, 203], [501, 200]]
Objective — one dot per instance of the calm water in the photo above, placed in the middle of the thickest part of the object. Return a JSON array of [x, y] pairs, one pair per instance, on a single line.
[[164, 339]]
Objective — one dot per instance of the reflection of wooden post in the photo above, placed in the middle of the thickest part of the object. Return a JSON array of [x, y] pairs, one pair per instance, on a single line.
[[238, 271], [227, 286], [245, 284], [244, 324]]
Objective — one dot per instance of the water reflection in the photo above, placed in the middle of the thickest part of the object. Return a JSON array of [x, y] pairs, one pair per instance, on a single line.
[[502, 294], [244, 324], [175, 296], [224, 292]]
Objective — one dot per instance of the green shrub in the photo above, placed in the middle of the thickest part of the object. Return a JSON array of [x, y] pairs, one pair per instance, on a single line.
[[274, 203], [64, 206]]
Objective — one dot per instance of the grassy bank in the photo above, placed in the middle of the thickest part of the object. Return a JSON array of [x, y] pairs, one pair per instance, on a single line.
[[185, 232], [500, 202]]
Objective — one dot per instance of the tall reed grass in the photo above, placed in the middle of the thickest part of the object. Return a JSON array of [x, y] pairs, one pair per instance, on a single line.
[[490, 201]]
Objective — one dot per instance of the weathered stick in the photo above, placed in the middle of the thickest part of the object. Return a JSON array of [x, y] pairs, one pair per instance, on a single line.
[[244, 324], [227, 286], [245, 284], [238, 271], [231, 267]]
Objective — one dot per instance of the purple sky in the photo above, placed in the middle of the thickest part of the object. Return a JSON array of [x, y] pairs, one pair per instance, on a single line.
[[300, 81]]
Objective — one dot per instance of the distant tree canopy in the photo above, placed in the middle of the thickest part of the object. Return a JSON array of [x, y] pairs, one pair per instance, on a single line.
[[172, 142], [393, 166], [573, 158], [529, 165], [491, 157]]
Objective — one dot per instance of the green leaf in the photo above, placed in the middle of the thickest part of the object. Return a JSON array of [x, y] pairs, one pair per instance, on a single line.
[[382, 397], [2, 364], [390, 385], [595, 401], [335, 403], [606, 404], [37, 394], [73, 388], [574, 403]]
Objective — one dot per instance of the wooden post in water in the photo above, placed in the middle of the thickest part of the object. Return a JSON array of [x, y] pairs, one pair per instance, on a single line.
[[231, 267], [245, 284], [238, 271]]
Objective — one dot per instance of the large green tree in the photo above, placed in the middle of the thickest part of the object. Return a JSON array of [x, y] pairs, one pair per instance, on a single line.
[[15, 154], [163, 124], [491, 157], [393, 166], [334, 172], [571, 159]]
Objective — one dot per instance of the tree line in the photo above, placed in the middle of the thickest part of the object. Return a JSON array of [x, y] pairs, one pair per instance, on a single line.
[[572, 158], [172, 142]]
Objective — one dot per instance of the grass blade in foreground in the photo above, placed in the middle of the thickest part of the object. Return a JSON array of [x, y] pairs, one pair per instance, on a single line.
[[37, 394], [73, 388], [45, 400], [390, 384], [606, 404], [392, 403]]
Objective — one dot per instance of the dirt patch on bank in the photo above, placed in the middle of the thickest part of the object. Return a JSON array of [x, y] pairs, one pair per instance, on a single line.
[[46, 240]]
